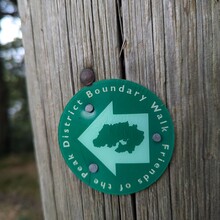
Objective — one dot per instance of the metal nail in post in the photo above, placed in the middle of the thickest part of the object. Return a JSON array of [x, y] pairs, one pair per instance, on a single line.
[[87, 77], [157, 137], [93, 168], [89, 108]]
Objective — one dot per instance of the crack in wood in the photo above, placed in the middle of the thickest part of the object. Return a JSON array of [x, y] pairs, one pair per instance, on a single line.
[[122, 41]]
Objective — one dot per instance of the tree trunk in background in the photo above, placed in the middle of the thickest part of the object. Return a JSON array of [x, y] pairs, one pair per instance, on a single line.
[[172, 48], [4, 123]]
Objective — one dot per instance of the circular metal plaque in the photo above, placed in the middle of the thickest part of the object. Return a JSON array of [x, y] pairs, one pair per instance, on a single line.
[[116, 136]]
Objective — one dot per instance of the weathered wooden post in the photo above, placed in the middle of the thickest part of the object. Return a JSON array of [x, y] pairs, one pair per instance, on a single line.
[[171, 47]]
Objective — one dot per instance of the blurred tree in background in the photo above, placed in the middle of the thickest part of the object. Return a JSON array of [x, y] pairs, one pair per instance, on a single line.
[[15, 128], [4, 124], [19, 189]]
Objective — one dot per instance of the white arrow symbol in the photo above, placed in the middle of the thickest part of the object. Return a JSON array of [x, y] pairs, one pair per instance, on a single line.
[[108, 156]]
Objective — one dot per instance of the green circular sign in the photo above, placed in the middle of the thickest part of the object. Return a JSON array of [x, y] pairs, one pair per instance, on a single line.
[[116, 136]]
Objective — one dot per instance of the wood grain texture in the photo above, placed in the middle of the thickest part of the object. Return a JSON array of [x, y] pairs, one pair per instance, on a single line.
[[171, 47]]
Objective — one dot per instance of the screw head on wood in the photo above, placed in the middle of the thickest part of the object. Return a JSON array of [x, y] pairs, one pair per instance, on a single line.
[[89, 108], [93, 168], [87, 77], [157, 137]]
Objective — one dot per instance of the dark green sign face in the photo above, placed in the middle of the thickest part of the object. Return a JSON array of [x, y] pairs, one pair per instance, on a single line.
[[116, 136]]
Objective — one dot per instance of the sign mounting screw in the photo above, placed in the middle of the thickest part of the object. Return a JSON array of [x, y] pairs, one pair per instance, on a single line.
[[157, 137], [89, 108], [93, 168], [87, 77]]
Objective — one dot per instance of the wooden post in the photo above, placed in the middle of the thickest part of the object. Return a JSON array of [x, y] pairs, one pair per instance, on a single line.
[[171, 47]]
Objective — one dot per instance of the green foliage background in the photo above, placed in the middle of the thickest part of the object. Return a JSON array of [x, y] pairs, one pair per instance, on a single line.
[[19, 189], [16, 135]]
